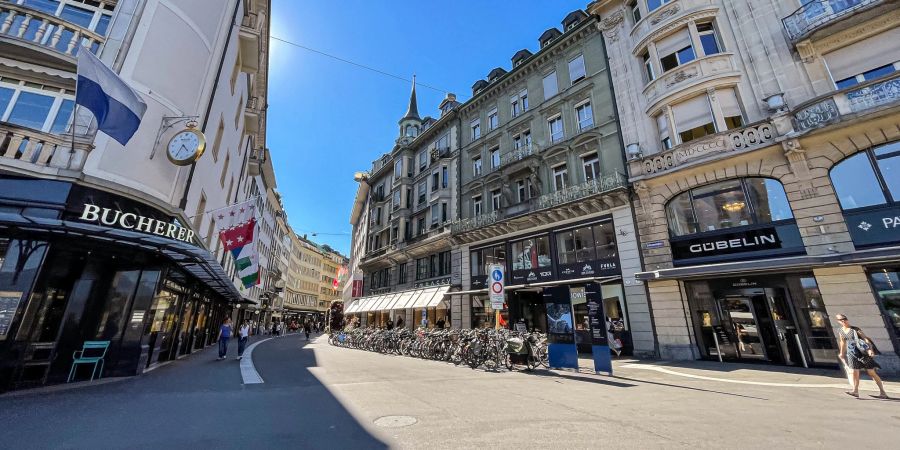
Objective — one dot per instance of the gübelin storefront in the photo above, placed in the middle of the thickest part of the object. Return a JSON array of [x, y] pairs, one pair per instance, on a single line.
[[79, 264], [569, 256]]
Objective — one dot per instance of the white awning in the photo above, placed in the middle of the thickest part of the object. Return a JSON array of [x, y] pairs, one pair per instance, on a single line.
[[438, 297], [353, 304], [393, 301], [425, 298], [367, 303], [403, 299], [384, 301]]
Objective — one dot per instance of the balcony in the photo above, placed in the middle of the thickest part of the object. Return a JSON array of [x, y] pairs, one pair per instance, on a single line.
[[461, 226], [847, 103], [714, 146], [518, 154], [50, 39], [27, 150], [694, 72], [817, 15], [599, 185], [249, 38]]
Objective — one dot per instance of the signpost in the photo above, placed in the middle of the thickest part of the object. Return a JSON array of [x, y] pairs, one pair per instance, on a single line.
[[497, 290]]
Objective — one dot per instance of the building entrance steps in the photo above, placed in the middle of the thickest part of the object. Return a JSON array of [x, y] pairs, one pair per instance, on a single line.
[[741, 373]]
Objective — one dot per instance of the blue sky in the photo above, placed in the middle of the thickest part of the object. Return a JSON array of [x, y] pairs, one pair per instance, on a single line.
[[328, 119]]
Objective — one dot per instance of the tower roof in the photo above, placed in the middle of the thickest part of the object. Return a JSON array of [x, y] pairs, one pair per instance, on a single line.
[[413, 111]]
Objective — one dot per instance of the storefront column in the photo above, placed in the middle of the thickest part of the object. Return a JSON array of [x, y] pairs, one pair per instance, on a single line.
[[846, 290], [673, 327], [638, 310]]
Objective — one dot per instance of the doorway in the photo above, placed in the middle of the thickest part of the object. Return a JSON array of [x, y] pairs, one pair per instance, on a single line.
[[529, 307]]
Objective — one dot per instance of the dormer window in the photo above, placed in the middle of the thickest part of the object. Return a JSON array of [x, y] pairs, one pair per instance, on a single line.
[[412, 131]]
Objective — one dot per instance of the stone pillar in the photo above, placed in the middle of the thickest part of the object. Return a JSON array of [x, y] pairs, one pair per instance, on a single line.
[[716, 109], [674, 330], [639, 321], [846, 290]]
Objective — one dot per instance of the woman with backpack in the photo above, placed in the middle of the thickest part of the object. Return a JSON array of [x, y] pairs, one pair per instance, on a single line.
[[858, 351]]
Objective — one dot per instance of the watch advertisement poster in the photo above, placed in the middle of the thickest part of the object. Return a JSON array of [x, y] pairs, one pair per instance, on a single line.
[[560, 328]]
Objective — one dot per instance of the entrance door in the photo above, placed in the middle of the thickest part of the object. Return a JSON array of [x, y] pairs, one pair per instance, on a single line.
[[530, 307], [739, 313], [761, 325]]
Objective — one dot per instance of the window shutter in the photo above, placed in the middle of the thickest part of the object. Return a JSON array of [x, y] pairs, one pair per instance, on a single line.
[[663, 124], [864, 55], [550, 85], [729, 103], [692, 113], [672, 43], [576, 68]]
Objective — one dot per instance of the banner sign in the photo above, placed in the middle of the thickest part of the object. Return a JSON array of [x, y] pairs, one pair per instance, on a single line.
[[497, 287], [768, 240], [605, 267], [879, 226]]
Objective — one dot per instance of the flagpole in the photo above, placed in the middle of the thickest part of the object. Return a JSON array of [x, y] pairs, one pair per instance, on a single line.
[[72, 150]]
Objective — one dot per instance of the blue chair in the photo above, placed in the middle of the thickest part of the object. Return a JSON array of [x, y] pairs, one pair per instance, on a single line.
[[92, 352]]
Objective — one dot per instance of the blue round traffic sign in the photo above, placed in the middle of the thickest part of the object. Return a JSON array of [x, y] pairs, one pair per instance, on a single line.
[[497, 275]]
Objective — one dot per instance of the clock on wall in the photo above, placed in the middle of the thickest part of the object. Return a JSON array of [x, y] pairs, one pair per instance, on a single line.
[[186, 146]]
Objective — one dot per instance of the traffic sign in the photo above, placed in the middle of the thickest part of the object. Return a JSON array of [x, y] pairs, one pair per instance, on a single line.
[[497, 286]]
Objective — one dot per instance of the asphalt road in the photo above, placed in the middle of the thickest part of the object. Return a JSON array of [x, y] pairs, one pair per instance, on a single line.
[[318, 396]]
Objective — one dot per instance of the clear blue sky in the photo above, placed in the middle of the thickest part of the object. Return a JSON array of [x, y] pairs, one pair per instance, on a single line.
[[328, 119]]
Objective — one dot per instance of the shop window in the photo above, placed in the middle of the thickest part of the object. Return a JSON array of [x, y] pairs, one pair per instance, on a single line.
[[531, 253], [886, 284], [694, 119], [485, 257], [868, 178], [728, 204], [584, 244]]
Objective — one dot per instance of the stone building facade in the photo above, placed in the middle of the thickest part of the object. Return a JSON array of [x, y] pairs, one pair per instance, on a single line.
[[763, 155]]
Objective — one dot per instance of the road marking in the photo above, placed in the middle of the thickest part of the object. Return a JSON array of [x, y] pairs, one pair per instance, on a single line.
[[863, 384], [248, 369]]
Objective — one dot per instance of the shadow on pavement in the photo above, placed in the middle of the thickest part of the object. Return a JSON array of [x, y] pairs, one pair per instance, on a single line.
[[197, 402], [657, 383]]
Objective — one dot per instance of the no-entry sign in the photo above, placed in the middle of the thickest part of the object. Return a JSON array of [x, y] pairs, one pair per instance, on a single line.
[[496, 286]]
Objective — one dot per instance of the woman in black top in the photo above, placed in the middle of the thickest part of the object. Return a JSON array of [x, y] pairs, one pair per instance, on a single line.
[[858, 351]]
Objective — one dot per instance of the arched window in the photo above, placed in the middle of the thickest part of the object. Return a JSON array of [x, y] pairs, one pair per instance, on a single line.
[[868, 178], [728, 204], [412, 130]]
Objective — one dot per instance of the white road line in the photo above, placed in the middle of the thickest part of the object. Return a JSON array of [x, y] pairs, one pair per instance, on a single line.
[[863, 384], [248, 370]]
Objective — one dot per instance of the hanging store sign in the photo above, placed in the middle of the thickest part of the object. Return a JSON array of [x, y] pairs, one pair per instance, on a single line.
[[132, 221], [761, 241], [879, 226]]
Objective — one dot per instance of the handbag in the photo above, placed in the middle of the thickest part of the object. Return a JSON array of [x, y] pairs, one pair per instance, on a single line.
[[862, 346]]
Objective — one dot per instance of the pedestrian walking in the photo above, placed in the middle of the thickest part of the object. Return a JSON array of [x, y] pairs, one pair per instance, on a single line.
[[243, 337], [274, 329], [306, 329], [400, 322], [858, 352], [224, 335]]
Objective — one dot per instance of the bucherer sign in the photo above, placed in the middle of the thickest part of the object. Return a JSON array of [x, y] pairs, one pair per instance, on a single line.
[[132, 221]]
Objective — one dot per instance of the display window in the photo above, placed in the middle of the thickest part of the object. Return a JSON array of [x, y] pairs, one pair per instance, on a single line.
[[886, 284], [531, 253]]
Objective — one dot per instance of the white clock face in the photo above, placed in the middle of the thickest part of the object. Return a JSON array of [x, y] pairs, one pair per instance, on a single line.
[[184, 146]]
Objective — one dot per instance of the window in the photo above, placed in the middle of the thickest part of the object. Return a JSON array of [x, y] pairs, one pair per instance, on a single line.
[[652, 5], [635, 11], [728, 204], [433, 265], [521, 190], [556, 129], [531, 253], [31, 110], [218, 141], [476, 205], [522, 140], [559, 177], [409, 197], [495, 200], [398, 169], [402, 270], [675, 50], [495, 157], [694, 119], [486, 257], [493, 122], [585, 116], [858, 180], [708, 39], [423, 187], [476, 166], [423, 160], [866, 76], [523, 97], [444, 258], [435, 181], [409, 167], [224, 171], [662, 124], [395, 204], [435, 214], [649, 74], [585, 244], [576, 69], [445, 177], [443, 211], [591, 166], [551, 87], [412, 131], [420, 226], [731, 108], [884, 283], [518, 103], [475, 125], [421, 268]]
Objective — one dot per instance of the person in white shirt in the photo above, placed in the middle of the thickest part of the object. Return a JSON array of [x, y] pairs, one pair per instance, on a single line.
[[243, 337]]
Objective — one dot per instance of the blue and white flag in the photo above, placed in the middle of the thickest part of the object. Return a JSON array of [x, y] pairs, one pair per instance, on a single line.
[[117, 107]]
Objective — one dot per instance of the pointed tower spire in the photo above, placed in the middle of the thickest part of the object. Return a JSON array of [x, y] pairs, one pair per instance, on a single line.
[[413, 111]]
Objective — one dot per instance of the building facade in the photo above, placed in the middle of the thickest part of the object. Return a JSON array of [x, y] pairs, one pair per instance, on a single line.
[[411, 202], [544, 193], [763, 155], [108, 242], [359, 221]]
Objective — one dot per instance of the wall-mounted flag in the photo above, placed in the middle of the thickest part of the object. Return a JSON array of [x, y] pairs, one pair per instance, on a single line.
[[236, 225], [117, 107]]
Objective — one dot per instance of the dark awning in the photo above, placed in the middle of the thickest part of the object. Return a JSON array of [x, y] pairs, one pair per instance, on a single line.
[[196, 261], [858, 257]]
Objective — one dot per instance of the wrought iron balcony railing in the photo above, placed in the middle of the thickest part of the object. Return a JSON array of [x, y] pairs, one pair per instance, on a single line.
[[461, 226], [46, 30], [600, 185], [817, 13], [884, 92]]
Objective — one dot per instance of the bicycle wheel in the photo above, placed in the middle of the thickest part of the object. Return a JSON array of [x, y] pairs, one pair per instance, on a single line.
[[509, 363]]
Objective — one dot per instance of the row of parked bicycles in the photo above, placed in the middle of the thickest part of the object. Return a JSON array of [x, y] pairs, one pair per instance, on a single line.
[[491, 349]]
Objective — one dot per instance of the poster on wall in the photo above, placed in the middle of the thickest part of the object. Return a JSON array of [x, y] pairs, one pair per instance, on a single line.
[[560, 328], [9, 304]]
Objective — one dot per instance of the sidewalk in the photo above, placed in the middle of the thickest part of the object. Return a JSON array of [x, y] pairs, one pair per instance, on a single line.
[[741, 373]]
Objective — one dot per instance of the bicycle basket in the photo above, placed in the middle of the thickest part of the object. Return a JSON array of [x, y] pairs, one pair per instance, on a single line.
[[515, 345]]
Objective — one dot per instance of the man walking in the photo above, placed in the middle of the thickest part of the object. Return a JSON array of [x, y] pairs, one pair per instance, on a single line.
[[224, 336], [306, 329], [243, 337]]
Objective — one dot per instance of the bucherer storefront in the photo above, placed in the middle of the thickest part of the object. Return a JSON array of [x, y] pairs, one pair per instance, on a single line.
[[79, 264]]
